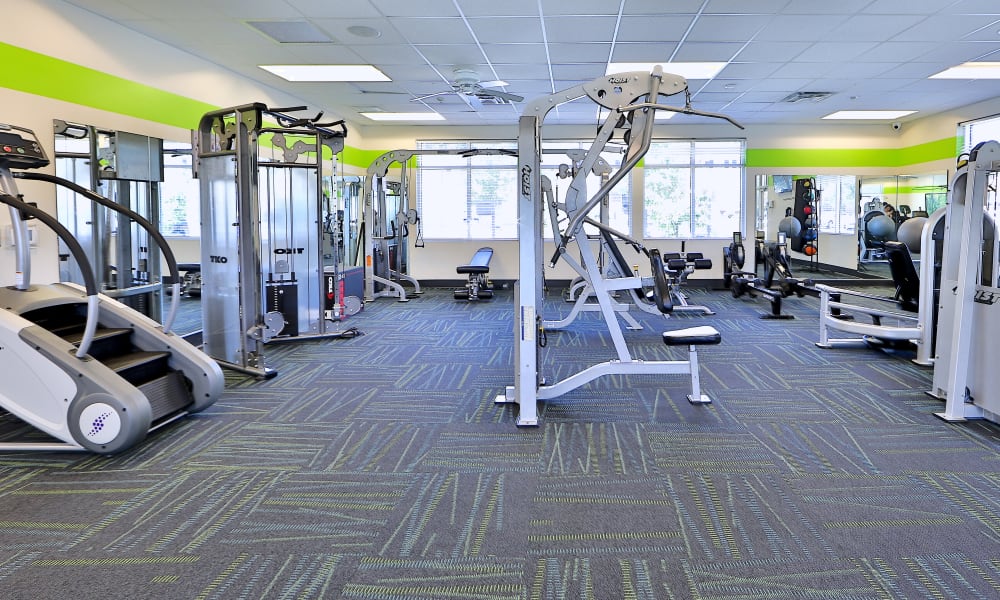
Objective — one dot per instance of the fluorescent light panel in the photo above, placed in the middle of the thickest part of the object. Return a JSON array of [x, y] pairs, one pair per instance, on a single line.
[[687, 70], [403, 116], [326, 72], [970, 70], [869, 115]]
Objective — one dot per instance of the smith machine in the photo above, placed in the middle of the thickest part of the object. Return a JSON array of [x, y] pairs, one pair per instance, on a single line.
[[631, 100]]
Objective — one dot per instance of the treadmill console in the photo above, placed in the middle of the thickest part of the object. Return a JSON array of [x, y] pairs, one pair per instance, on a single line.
[[19, 148]]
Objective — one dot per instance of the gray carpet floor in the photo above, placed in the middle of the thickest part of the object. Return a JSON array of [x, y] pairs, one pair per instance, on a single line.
[[379, 467]]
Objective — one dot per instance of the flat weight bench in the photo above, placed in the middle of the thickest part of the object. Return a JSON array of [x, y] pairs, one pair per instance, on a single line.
[[692, 337], [479, 286]]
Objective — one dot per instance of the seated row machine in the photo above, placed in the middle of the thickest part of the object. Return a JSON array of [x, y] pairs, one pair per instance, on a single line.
[[478, 269]]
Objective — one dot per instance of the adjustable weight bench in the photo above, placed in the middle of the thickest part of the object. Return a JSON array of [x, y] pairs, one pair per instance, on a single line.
[[692, 337], [479, 286]]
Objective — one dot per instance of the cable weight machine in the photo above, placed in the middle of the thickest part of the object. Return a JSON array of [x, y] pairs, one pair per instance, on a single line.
[[265, 273]]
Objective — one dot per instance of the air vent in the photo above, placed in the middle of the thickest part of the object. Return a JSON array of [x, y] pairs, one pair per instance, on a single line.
[[806, 97], [291, 32]]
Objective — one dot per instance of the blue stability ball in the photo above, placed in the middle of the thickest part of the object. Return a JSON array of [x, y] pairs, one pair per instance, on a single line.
[[882, 228], [790, 226], [909, 233]]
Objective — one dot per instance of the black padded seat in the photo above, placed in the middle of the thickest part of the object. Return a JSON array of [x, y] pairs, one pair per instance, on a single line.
[[704, 335], [189, 267], [480, 263]]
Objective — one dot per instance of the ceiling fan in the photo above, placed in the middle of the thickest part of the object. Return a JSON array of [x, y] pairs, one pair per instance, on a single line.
[[474, 91]]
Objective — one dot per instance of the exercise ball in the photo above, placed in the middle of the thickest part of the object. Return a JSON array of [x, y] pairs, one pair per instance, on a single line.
[[882, 228], [790, 226], [909, 233], [810, 249]]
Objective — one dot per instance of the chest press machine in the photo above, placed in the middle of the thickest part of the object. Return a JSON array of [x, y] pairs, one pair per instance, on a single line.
[[621, 94]]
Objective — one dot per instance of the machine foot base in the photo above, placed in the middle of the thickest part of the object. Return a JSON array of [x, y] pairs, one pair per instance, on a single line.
[[703, 399], [784, 317], [945, 417]]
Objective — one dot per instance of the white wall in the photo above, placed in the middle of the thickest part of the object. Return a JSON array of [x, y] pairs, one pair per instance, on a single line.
[[63, 31]]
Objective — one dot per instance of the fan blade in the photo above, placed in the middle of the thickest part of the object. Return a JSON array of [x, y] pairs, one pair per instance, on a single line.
[[502, 95], [419, 98], [493, 84]]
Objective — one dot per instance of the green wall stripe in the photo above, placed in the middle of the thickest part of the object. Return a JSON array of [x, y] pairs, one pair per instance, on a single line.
[[42, 75], [851, 157]]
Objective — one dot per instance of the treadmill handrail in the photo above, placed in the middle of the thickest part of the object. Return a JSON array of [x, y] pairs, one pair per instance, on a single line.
[[90, 282], [161, 242]]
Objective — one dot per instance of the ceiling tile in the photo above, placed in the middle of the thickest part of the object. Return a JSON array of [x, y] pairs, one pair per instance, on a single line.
[[875, 28], [659, 7], [450, 54], [652, 28], [580, 29], [833, 52], [507, 8], [515, 53], [392, 54], [642, 52], [324, 9], [578, 73], [909, 7], [706, 52], [409, 8], [745, 7], [941, 28], [433, 30], [339, 29], [727, 28], [507, 30], [753, 71], [799, 28], [581, 52], [578, 7]]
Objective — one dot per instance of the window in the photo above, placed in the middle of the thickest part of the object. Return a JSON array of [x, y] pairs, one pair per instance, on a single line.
[[693, 189], [837, 198], [475, 197], [972, 133], [180, 204], [467, 197]]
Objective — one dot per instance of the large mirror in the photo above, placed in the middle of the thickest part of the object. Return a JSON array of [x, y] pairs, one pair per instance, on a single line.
[[892, 208], [854, 217]]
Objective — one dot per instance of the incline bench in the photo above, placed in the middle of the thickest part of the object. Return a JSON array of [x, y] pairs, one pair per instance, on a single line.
[[478, 287]]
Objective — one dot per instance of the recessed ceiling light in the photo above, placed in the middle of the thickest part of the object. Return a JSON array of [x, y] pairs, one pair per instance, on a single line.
[[869, 115], [403, 116], [326, 72], [687, 70], [970, 70]]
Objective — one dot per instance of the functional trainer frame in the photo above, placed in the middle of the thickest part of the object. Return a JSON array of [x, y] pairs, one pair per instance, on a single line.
[[264, 275]]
